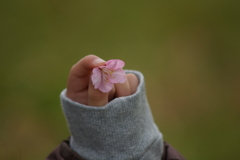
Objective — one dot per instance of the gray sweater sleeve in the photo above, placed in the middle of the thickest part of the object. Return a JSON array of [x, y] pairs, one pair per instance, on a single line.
[[121, 130]]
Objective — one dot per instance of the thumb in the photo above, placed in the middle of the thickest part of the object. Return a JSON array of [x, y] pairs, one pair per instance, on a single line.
[[95, 96]]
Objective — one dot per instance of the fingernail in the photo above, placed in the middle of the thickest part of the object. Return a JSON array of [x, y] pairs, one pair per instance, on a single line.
[[98, 62]]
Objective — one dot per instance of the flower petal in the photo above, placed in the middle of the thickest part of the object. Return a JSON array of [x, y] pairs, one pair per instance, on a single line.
[[115, 64], [118, 76], [103, 77], [96, 77], [105, 87]]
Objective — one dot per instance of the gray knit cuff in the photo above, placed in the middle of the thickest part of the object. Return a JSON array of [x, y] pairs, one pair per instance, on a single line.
[[122, 129]]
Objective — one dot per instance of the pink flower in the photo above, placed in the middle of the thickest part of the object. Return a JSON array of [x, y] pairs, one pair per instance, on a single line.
[[104, 77]]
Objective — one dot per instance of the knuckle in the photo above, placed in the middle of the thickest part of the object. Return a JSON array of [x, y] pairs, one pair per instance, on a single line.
[[72, 69]]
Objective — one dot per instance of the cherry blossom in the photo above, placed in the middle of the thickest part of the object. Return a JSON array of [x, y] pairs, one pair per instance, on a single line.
[[103, 77]]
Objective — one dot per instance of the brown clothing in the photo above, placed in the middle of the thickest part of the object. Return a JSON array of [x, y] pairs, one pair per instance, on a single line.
[[64, 152]]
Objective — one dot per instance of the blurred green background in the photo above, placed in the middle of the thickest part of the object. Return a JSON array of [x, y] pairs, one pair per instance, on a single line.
[[187, 50]]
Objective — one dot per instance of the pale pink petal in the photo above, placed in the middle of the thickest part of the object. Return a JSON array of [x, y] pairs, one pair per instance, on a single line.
[[105, 87], [118, 76], [115, 64], [96, 77], [103, 77]]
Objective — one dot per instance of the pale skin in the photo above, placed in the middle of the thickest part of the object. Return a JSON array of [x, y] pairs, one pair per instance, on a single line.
[[80, 88]]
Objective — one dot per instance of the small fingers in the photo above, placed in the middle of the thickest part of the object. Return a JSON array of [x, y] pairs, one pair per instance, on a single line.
[[122, 89], [78, 79], [84, 66], [133, 82], [96, 97], [128, 87], [80, 72]]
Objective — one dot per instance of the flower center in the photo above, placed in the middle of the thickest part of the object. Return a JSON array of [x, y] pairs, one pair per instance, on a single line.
[[106, 74]]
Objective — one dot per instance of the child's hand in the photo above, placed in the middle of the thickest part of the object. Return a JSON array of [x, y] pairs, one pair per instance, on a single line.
[[81, 89]]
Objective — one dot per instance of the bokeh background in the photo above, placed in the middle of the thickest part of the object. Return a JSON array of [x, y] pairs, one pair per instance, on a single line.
[[187, 50]]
